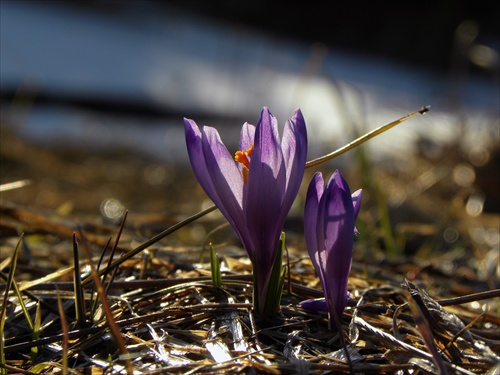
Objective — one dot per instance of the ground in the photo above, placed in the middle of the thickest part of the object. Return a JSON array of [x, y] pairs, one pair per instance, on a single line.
[[424, 282]]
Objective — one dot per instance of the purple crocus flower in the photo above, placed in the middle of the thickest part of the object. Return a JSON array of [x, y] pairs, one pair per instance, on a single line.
[[255, 189], [329, 230]]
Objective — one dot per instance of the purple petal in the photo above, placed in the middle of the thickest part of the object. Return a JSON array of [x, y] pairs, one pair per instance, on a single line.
[[356, 201], [227, 180], [339, 226], [339, 210], [321, 235], [197, 159], [314, 193], [267, 153], [217, 174], [247, 136], [264, 194], [313, 196], [221, 166], [318, 304], [294, 146]]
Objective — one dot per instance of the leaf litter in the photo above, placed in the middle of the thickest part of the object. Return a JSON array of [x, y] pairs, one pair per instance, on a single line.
[[409, 314]]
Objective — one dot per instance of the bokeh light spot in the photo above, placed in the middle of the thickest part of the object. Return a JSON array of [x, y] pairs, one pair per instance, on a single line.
[[112, 209], [464, 175], [475, 205], [478, 156]]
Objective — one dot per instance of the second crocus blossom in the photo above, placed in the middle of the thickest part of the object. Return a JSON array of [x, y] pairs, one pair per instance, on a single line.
[[329, 229], [255, 188]]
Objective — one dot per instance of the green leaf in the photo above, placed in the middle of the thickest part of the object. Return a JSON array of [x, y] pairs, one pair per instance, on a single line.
[[36, 331], [215, 269], [276, 280]]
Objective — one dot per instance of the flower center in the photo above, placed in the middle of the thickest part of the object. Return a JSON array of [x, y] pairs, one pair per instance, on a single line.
[[244, 157]]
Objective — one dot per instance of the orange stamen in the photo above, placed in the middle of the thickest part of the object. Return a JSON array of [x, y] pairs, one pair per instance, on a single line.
[[249, 151], [244, 171], [243, 157]]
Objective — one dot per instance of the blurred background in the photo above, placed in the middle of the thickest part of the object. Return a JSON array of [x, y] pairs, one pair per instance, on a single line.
[[93, 94], [100, 73]]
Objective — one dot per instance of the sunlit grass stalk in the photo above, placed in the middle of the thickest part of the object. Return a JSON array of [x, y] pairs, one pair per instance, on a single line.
[[3, 310], [22, 304], [364, 138]]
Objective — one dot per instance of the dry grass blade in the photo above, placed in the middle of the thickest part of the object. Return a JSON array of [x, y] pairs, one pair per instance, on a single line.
[[78, 289], [3, 309], [427, 335], [25, 285], [64, 327], [14, 185], [21, 303], [470, 298], [365, 138], [389, 338], [109, 316], [153, 240], [435, 314], [95, 301], [113, 251]]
